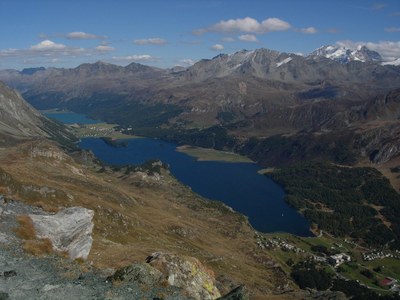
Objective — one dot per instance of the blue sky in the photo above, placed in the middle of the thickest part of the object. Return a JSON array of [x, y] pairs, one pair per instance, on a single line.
[[166, 33]]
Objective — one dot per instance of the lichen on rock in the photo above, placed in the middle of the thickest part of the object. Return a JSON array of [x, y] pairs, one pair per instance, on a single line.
[[141, 273], [187, 273]]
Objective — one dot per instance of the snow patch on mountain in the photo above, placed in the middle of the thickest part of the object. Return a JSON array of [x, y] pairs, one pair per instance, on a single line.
[[285, 61], [395, 62]]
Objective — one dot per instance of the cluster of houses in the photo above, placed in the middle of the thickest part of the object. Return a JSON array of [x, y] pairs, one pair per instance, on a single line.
[[334, 260], [348, 241], [319, 259], [368, 256], [337, 259], [278, 243], [96, 131], [274, 243]]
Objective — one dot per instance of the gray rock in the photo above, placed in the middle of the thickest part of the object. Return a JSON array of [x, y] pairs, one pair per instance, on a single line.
[[187, 273], [239, 293], [141, 273], [11, 273], [69, 230], [4, 296], [387, 152]]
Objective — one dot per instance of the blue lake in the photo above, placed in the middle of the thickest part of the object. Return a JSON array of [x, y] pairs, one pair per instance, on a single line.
[[236, 184]]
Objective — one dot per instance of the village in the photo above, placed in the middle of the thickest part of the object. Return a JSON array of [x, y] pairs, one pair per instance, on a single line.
[[98, 130], [345, 258], [376, 254]]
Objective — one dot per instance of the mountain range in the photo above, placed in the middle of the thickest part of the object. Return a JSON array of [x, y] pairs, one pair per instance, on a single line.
[[246, 95]]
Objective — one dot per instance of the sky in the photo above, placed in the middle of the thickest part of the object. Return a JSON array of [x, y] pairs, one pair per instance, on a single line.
[[167, 33]]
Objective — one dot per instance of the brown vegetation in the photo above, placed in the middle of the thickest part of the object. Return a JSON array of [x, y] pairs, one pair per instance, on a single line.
[[32, 244], [38, 247], [26, 230]]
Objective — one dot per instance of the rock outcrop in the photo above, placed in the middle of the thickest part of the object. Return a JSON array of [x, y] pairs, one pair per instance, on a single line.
[[187, 273], [18, 118], [140, 273], [239, 293], [69, 230]]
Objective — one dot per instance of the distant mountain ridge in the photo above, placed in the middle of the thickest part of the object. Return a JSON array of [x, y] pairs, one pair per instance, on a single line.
[[258, 93]]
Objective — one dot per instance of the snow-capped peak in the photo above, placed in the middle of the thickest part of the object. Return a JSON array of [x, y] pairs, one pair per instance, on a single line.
[[345, 55]]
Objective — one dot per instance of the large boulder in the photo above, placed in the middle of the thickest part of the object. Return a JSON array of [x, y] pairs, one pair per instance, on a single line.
[[140, 273], [69, 230], [187, 273]]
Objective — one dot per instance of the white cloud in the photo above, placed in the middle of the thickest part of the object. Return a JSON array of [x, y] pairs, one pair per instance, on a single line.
[[217, 47], [389, 50], [150, 41], [248, 38], [392, 29], [308, 30], [134, 57], [228, 39], [9, 52], [241, 25], [47, 45], [246, 25], [80, 35], [104, 48], [274, 24], [53, 51]]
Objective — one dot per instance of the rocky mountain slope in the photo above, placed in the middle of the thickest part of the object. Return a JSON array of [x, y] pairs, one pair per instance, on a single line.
[[19, 120]]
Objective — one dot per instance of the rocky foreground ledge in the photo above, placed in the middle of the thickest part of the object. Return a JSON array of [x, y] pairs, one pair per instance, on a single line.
[[52, 276]]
